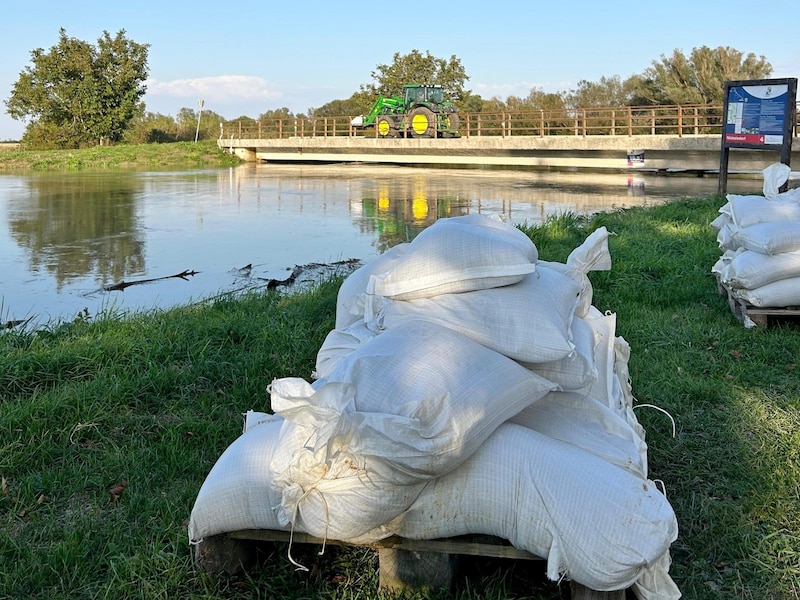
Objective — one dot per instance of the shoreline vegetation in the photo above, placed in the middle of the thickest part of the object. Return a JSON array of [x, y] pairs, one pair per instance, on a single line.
[[112, 422], [201, 154]]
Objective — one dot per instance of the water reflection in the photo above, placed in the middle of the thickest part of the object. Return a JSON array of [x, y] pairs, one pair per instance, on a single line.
[[74, 228], [65, 236]]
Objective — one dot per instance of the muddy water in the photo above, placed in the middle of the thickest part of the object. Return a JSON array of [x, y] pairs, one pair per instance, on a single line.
[[64, 238]]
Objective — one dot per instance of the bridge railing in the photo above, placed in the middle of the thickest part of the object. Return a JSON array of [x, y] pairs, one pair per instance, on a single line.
[[674, 120]]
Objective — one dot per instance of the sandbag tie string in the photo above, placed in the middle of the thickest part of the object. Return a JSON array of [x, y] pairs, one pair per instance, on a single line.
[[312, 488], [659, 409]]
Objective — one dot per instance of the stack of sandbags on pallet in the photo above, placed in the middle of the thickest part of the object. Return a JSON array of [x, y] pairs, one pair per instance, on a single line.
[[468, 387], [760, 239]]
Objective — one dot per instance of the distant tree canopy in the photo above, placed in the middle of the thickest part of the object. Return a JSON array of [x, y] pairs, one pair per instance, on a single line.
[[78, 94], [156, 128], [678, 79], [416, 68], [698, 78], [608, 91]]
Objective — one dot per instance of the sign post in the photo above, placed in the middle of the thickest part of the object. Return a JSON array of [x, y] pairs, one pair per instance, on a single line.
[[200, 103], [760, 115]]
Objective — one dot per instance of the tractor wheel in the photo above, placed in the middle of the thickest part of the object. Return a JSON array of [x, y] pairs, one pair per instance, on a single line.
[[384, 126], [453, 122], [422, 122]]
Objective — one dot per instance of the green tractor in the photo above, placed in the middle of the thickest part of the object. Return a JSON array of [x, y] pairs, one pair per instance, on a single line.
[[422, 112]]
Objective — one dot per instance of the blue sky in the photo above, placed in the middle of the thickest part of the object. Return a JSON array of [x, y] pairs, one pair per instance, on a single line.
[[243, 58]]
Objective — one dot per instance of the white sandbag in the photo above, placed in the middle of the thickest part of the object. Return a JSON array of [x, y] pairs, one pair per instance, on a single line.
[[721, 220], [623, 390], [725, 238], [253, 418], [790, 194], [591, 255], [775, 175], [338, 344], [331, 493], [458, 254], [237, 492], [778, 294], [588, 424], [749, 269], [527, 321], [720, 267], [350, 299], [595, 523], [604, 387], [750, 210], [769, 238], [576, 371], [408, 405]]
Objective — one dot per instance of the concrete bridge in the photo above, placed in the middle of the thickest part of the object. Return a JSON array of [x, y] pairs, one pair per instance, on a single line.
[[687, 154]]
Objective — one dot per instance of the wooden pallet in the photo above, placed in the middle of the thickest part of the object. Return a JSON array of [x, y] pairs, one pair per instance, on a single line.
[[753, 316], [403, 564]]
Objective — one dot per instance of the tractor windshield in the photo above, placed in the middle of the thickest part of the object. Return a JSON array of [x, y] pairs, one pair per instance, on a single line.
[[424, 93]]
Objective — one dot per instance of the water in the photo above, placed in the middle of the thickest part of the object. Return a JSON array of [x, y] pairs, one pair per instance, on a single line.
[[64, 237]]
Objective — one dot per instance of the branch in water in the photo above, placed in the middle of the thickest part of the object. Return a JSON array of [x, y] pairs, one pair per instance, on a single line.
[[120, 286], [300, 269]]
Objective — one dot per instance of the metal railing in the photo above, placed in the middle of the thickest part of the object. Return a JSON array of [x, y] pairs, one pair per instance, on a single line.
[[674, 120]]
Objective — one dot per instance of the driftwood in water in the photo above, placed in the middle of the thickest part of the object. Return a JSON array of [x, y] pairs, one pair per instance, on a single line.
[[300, 269], [120, 286], [273, 283]]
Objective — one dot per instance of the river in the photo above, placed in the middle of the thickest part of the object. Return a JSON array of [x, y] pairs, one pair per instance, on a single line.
[[65, 238]]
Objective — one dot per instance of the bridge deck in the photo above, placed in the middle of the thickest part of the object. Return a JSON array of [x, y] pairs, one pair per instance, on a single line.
[[697, 154]]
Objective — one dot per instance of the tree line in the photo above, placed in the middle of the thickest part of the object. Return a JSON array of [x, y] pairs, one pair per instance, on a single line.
[[79, 94]]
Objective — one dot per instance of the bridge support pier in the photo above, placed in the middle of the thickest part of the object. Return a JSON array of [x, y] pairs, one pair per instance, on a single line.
[[248, 154]]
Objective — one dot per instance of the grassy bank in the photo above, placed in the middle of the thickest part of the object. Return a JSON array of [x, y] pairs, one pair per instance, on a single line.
[[155, 398], [145, 156]]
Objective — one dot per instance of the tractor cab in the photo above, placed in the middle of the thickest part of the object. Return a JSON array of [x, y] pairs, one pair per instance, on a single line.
[[423, 94]]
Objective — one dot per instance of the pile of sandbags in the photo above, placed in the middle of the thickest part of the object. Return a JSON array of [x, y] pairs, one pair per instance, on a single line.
[[760, 240], [467, 387]]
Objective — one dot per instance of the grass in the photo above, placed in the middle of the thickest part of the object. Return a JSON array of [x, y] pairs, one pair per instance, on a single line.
[[144, 156], [155, 398]]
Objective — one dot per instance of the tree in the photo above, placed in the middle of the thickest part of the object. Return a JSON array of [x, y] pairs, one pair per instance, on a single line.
[[78, 94], [540, 100], [276, 113], [471, 103], [357, 104], [389, 80], [416, 68], [698, 78], [609, 91], [151, 128], [157, 128]]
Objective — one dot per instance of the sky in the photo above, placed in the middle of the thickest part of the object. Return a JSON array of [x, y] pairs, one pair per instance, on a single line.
[[244, 58]]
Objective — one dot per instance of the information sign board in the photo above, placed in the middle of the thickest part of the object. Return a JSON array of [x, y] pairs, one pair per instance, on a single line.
[[758, 114]]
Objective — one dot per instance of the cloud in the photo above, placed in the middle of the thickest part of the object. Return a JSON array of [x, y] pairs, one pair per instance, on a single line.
[[221, 88]]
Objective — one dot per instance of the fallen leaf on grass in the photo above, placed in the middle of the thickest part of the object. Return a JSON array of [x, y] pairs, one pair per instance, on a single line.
[[5, 486], [116, 492]]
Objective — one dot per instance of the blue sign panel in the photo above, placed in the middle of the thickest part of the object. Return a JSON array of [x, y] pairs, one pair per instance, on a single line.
[[756, 114]]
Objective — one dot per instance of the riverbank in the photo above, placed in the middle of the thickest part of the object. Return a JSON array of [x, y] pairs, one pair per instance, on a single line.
[[155, 398], [154, 157]]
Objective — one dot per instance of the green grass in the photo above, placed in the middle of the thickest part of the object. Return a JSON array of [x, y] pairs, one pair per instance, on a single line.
[[204, 153], [155, 398]]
